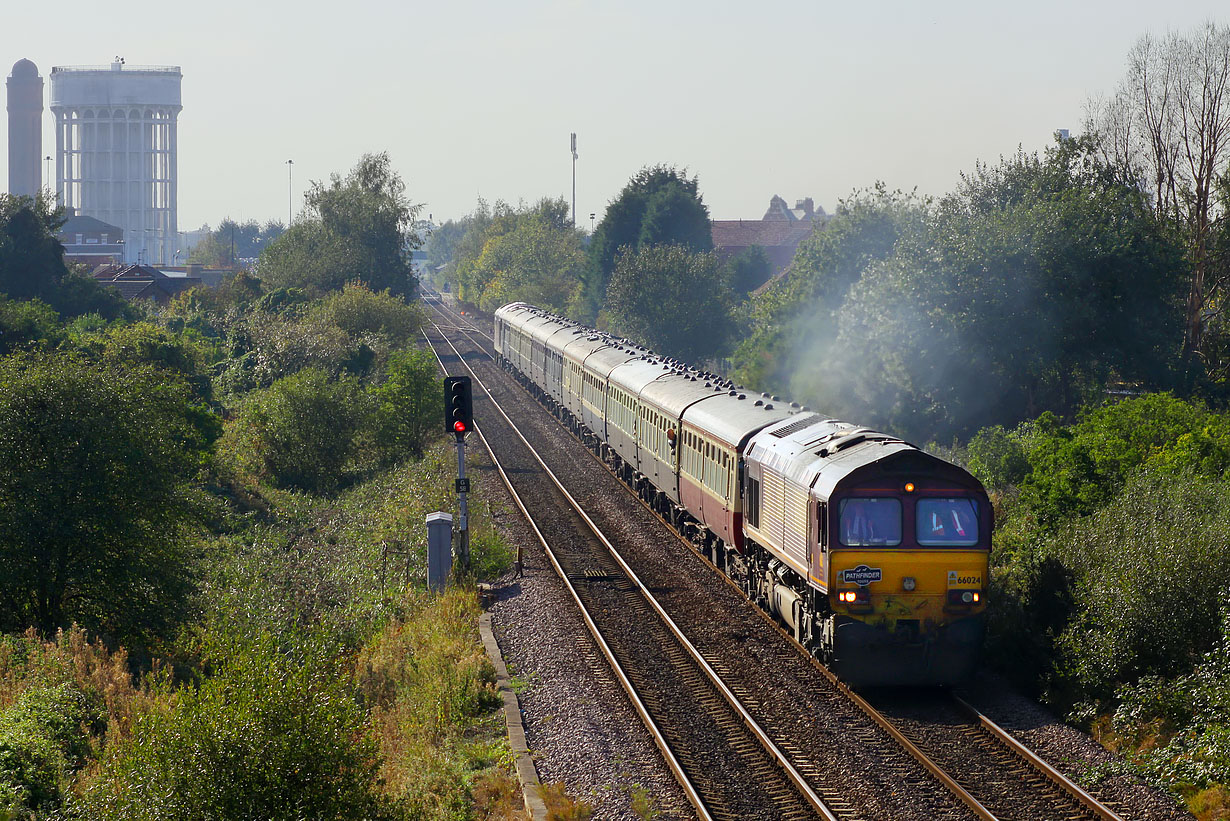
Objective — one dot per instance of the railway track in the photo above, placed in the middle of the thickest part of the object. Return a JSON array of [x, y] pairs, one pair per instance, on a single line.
[[696, 721], [989, 773]]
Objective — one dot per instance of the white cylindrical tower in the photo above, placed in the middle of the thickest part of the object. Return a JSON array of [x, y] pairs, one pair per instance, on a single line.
[[25, 106], [116, 150]]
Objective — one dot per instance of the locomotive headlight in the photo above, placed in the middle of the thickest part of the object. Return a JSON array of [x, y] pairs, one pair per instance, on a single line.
[[908, 583]]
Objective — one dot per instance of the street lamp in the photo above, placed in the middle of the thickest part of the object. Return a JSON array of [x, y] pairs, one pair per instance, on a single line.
[[47, 173], [591, 224], [290, 197]]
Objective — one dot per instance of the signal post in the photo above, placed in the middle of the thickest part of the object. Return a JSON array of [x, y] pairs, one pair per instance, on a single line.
[[459, 418]]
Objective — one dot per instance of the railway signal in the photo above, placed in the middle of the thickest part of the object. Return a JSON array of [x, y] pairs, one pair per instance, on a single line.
[[458, 405], [459, 418]]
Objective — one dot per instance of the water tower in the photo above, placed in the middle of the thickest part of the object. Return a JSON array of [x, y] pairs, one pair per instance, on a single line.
[[25, 92], [116, 150]]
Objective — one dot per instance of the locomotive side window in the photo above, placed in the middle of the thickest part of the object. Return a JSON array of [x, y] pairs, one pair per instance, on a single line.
[[870, 521], [753, 502], [951, 522]]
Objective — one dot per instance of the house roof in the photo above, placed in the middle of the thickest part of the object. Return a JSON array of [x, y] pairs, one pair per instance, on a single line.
[[765, 233], [80, 224], [113, 273]]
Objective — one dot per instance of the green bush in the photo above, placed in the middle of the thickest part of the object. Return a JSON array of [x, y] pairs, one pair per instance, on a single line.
[[27, 323], [1149, 572], [1076, 469], [997, 457], [41, 739], [1179, 729], [275, 733], [408, 407], [361, 312], [303, 429]]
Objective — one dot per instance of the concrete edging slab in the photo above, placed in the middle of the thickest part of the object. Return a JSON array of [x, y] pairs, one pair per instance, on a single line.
[[527, 774]]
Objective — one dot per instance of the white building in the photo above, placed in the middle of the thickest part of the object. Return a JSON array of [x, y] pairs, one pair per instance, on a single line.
[[116, 151]]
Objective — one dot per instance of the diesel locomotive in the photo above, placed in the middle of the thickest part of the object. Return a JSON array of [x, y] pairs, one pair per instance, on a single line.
[[873, 553]]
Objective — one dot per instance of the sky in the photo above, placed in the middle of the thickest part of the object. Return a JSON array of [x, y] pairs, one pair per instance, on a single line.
[[477, 99]]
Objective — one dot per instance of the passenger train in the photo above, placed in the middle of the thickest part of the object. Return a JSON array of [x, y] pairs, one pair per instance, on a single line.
[[870, 551]]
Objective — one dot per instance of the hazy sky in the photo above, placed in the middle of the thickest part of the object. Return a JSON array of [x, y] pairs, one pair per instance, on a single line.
[[477, 99]]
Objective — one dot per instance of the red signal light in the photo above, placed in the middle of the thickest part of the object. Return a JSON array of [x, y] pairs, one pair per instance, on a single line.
[[460, 427]]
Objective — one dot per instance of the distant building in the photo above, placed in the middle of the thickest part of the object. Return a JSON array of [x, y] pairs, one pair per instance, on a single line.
[[144, 282], [91, 241], [778, 232], [25, 104], [116, 144]]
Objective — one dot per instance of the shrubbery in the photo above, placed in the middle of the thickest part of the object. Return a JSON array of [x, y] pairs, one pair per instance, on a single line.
[[97, 493], [1111, 552], [274, 732]]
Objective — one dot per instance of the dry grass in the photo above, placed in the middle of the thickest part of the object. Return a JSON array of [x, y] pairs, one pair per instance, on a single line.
[[71, 658], [563, 807], [431, 690], [1212, 804]]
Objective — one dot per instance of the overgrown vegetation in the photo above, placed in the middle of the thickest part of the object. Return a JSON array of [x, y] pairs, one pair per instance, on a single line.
[[212, 523]]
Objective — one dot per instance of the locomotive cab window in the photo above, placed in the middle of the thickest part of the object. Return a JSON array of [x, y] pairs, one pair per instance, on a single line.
[[870, 521], [947, 522]]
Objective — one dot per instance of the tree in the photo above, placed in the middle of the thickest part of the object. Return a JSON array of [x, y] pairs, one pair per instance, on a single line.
[[440, 247], [748, 270], [1027, 290], [358, 228], [234, 242], [1169, 126], [408, 405], [536, 262], [530, 253], [98, 466], [31, 256], [672, 300], [795, 320], [658, 206], [302, 429]]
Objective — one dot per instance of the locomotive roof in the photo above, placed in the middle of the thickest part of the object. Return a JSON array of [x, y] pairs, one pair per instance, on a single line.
[[733, 416], [821, 453]]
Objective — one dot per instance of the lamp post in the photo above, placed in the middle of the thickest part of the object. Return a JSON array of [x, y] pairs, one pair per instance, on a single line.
[[574, 178], [47, 172], [591, 224], [145, 244], [290, 197]]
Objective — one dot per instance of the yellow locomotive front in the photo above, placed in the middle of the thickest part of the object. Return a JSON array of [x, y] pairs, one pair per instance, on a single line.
[[873, 552], [906, 577]]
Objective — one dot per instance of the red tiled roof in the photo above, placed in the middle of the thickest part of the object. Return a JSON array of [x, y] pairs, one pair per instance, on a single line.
[[765, 233]]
